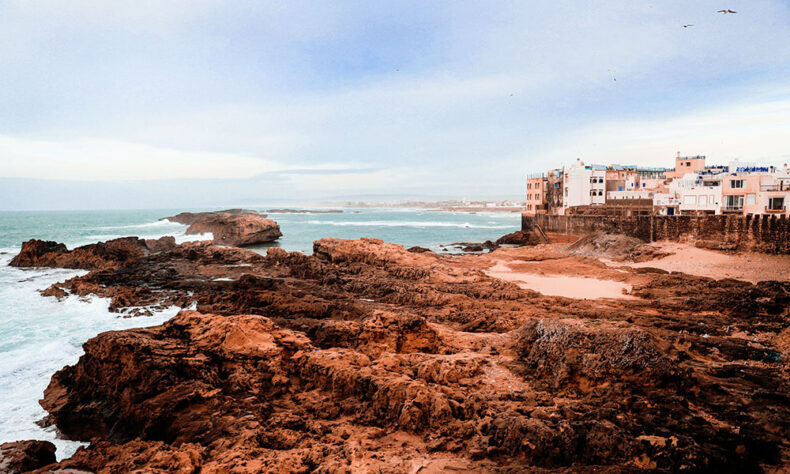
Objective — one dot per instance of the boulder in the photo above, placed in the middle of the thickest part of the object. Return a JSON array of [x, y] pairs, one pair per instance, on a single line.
[[235, 227], [24, 456]]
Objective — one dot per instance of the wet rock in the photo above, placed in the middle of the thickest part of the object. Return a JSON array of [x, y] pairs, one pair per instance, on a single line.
[[37, 253], [520, 238], [234, 227], [365, 354], [24, 456]]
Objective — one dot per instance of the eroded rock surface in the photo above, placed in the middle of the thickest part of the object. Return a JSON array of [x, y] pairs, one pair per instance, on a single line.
[[39, 253], [25, 456], [367, 357], [235, 227]]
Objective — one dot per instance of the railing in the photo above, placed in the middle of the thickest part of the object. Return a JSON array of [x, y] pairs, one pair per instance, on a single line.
[[775, 209], [775, 187], [732, 209]]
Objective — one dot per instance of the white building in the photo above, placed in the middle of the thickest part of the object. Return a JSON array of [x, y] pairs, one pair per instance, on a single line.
[[698, 193], [583, 185]]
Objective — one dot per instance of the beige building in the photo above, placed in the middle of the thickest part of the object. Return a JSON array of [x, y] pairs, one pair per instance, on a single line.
[[537, 200]]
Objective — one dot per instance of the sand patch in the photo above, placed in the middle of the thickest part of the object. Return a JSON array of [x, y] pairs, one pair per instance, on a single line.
[[562, 285], [747, 266]]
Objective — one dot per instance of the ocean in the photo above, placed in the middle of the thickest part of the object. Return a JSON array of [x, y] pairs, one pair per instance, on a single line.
[[40, 335]]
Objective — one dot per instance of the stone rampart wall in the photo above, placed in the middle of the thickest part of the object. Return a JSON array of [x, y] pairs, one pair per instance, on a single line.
[[761, 233]]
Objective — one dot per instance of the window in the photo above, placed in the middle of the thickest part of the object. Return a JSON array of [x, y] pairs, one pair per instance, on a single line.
[[688, 163], [702, 200], [751, 198], [689, 200], [733, 203], [776, 204], [736, 184]]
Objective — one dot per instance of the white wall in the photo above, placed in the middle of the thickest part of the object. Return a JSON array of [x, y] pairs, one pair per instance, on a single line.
[[577, 186]]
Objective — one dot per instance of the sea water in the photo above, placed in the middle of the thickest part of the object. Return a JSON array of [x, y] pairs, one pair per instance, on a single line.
[[40, 335]]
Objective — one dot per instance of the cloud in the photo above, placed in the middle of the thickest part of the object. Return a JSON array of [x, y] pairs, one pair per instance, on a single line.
[[746, 131], [458, 98]]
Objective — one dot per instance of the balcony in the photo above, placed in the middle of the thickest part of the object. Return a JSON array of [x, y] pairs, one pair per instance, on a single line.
[[775, 187], [776, 209], [732, 209]]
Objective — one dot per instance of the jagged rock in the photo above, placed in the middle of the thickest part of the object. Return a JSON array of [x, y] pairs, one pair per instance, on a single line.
[[520, 238], [25, 456], [368, 357], [235, 227], [37, 253], [189, 218], [617, 247]]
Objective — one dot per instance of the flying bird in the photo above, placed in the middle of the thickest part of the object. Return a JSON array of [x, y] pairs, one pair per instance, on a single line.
[[687, 26], [724, 12]]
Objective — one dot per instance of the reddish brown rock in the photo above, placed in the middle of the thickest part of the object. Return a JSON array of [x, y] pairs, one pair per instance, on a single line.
[[235, 227], [37, 253], [189, 218], [24, 456], [520, 238], [365, 356]]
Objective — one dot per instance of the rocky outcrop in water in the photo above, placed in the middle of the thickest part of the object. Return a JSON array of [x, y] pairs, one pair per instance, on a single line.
[[39, 253], [234, 227], [365, 356]]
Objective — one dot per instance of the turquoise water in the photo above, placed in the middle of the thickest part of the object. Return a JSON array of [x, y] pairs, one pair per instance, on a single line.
[[407, 227], [39, 335]]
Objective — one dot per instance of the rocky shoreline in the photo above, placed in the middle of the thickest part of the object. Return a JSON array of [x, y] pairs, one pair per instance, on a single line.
[[365, 356]]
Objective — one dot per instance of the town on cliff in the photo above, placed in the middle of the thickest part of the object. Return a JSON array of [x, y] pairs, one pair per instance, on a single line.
[[692, 187]]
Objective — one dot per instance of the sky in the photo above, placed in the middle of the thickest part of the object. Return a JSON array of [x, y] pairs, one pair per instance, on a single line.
[[209, 103]]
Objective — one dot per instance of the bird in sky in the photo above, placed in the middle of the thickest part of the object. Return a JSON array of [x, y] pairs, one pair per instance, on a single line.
[[687, 26], [724, 12]]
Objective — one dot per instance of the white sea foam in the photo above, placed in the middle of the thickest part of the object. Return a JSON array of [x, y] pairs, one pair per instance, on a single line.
[[147, 225], [180, 237], [39, 336], [418, 224]]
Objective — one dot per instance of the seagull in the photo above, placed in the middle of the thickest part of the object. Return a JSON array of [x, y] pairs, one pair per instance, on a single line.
[[724, 12], [687, 26]]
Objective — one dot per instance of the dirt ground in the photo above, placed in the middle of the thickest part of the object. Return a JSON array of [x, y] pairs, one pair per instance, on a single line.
[[553, 271], [748, 266]]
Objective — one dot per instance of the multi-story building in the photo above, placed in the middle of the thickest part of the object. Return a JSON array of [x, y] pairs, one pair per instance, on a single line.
[[698, 193], [583, 185], [690, 188], [554, 191], [685, 165], [774, 193], [537, 198]]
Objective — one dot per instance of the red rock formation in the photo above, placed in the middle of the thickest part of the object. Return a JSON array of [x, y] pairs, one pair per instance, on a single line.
[[520, 238], [25, 456], [365, 356], [189, 218], [38, 253], [235, 227]]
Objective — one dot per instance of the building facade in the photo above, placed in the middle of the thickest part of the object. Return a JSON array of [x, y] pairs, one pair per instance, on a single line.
[[691, 188]]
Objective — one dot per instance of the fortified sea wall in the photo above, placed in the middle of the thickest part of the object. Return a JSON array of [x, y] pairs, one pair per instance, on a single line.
[[760, 233]]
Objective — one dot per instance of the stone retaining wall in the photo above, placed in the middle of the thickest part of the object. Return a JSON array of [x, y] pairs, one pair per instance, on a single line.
[[753, 232]]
